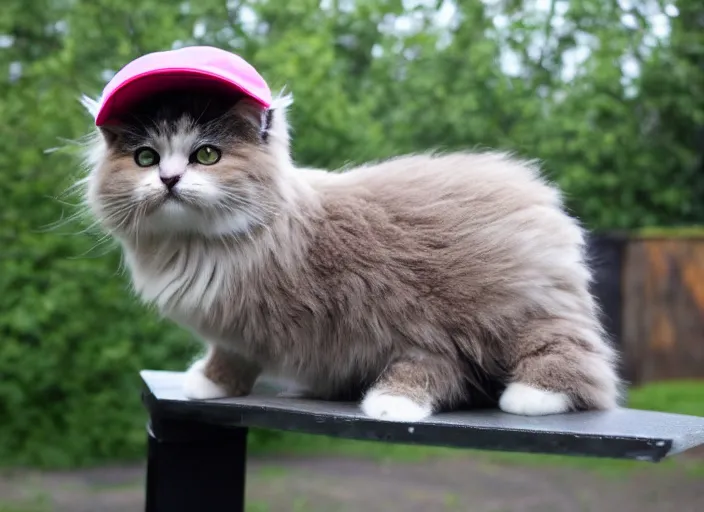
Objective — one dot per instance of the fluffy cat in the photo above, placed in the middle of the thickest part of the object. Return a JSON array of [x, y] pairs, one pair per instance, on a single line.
[[419, 284]]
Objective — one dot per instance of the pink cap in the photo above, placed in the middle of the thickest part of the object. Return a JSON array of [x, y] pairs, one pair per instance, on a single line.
[[192, 66]]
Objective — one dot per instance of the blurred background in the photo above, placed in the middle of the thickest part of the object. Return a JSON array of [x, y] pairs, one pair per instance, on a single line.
[[609, 94]]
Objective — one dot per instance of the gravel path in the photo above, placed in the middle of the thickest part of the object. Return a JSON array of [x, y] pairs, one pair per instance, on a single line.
[[348, 484]]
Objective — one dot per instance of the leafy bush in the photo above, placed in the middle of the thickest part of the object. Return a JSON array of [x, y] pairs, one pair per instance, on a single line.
[[73, 342]]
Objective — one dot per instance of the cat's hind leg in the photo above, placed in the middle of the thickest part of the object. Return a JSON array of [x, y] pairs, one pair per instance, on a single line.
[[413, 387], [219, 374], [559, 365]]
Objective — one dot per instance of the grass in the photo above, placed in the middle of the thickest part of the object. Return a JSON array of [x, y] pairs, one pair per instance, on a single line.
[[671, 232], [683, 397], [38, 504], [256, 506], [18, 507]]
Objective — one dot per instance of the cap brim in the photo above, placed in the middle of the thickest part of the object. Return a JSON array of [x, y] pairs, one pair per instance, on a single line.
[[139, 87]]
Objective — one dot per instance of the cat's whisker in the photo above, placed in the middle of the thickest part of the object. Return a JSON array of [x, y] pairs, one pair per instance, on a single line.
[[105, 240], [63, 221], [75, 187]]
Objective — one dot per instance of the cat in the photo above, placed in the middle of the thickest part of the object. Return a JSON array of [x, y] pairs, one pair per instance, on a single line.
[[415, 285]]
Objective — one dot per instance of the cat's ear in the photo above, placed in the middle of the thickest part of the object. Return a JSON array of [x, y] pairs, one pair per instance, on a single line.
[[260, 118], [271, 123], [276, 128], [111, 134], [250, 111]]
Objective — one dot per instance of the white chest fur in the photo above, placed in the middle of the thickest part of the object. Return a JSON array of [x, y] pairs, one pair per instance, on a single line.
[[183, 279]]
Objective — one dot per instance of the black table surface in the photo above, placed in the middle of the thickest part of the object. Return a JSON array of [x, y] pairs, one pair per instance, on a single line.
[[621, 433]]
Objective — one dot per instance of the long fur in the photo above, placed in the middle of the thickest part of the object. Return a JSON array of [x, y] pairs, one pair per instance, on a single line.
[[438, 278]]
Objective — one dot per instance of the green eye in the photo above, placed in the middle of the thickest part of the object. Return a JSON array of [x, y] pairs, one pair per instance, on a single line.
[[207, 155], [146, 157]]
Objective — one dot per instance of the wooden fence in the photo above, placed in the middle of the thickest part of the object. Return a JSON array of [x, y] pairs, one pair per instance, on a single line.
[[652, 293]]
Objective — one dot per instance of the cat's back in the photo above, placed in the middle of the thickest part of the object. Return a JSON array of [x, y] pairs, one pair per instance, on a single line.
[[478, 194], [487, 217], [443, 182]]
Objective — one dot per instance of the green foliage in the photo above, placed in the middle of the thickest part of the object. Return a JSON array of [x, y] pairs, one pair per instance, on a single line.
[[623, 147]]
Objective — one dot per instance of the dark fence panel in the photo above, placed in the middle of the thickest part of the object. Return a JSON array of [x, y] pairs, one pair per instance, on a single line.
[[606, 253]]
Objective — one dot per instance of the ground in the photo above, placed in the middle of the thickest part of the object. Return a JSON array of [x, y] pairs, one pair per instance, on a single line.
[[468, 481]]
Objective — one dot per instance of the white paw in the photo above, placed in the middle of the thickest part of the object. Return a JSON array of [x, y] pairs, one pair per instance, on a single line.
[[197, 386], [384, 406], [529, 401]]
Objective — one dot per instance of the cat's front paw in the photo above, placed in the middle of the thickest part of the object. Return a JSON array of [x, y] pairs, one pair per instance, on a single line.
[[197, 386], [527, 400], [385, 406]]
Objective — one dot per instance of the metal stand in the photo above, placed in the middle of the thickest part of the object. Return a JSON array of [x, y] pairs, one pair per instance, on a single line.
[[195, 467]]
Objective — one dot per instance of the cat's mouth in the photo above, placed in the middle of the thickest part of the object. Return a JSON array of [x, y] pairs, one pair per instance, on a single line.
[[173, 202], [171, 195], [178, 198], [166, 200]]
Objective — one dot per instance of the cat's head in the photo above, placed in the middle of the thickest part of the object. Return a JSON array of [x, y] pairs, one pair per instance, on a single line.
[[190, 162]]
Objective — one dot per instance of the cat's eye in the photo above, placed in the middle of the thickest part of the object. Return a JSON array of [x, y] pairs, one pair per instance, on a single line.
[[146, 157], [206, 155]]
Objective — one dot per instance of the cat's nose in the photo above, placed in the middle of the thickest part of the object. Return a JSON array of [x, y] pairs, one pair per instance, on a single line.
[[170, 181]]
